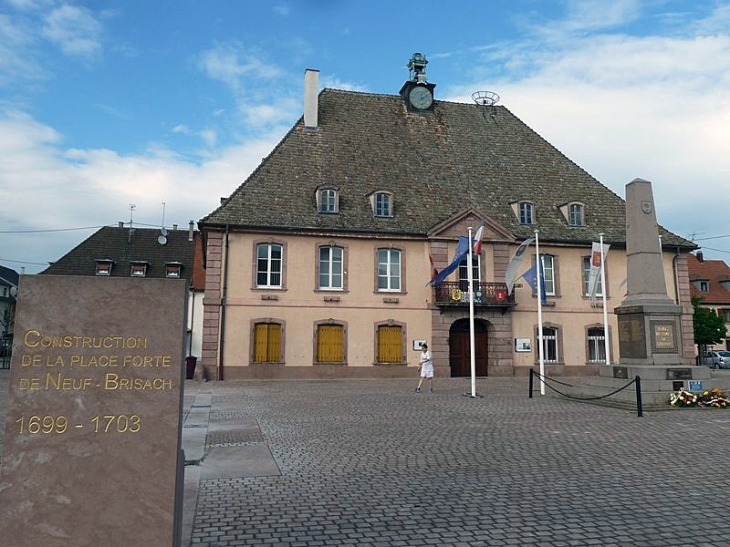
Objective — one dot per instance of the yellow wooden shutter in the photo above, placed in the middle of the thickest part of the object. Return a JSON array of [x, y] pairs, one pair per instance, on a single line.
[[274, 345], [389, 345], [330, 344], [267, 343]]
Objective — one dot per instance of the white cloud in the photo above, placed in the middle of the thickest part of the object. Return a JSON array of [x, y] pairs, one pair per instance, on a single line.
[[75, 30], [234, 66], [54, 188]]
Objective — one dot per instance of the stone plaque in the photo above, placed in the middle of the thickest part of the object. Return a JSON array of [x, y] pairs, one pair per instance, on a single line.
[[663, 337], [93, 427], [631, 337], [679, 374], [620, 372]]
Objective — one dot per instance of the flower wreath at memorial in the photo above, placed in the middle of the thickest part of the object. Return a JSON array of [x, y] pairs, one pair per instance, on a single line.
[[710, 397]]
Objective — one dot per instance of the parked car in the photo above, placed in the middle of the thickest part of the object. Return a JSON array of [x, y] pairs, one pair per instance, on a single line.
[[716, 359]]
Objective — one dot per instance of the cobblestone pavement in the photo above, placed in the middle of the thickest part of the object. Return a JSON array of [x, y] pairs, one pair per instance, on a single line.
[[369, 462]]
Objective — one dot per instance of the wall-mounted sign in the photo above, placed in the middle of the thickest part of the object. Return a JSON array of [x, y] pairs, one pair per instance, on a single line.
[[418, 345], [523, 344]]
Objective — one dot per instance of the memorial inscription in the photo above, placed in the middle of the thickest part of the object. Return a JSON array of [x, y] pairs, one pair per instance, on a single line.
[[94, 413], [631, 338], [663, 336]]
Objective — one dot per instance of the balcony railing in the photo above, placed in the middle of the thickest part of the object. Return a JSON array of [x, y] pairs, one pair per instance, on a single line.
[[452, 293]]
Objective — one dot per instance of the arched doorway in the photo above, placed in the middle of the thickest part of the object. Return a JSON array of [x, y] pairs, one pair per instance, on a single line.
[[460, 350]]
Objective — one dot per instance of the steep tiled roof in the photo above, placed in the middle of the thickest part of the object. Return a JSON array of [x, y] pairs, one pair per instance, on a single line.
[[714, 272], [123, 247], [435, 165]]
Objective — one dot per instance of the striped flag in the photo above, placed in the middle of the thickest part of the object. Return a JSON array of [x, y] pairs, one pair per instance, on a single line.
[[478, 240]]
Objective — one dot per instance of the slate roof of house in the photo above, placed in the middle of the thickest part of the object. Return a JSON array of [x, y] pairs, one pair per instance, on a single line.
[[461, 156], [117, 244], [8, 277], [713, 271]]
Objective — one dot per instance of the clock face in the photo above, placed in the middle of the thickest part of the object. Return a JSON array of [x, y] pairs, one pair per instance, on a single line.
[[420, 97]]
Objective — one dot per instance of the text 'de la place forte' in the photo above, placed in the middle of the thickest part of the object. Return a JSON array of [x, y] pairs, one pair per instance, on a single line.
[[96, 361]]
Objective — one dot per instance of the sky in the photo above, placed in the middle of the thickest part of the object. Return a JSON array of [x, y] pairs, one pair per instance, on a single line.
[[151, 111]]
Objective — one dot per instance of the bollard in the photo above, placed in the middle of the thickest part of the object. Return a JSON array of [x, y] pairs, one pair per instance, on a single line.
[[637, 381], [532, 373]]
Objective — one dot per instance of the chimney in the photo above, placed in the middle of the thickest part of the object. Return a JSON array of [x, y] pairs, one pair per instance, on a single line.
[[121, 224], [700, 256], [311, 98], [191, 230], [174, 227]]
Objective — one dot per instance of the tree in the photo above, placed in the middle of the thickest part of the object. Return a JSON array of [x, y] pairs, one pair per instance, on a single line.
[[708, 326]]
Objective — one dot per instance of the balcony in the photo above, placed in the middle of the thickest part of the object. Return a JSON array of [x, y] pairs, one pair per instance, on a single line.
[[486, 295]]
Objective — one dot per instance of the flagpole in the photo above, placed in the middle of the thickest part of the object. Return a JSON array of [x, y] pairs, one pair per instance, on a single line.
[[541, 349], [472, 350], [606, 341]]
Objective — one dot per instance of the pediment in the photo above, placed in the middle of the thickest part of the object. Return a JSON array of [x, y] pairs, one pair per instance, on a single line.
[[458, 225]]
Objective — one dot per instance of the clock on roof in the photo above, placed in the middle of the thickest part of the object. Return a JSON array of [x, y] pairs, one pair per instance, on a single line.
[[417, 92], [420, 97]]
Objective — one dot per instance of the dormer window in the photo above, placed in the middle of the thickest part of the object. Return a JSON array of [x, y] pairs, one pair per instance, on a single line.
[[173, 269], [703, 286], [327, 200], [524, 211], [574, 213], [526, 215], [383, 204], [139, 269], [104, 266]]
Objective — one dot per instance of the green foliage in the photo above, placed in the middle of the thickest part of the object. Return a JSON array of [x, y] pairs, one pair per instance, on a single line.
[[708, 326]]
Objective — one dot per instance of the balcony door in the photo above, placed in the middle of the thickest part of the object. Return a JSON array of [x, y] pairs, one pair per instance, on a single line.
[[460, 351]]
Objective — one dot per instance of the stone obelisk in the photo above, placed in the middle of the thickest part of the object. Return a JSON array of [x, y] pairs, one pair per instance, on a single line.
[[648, 320]]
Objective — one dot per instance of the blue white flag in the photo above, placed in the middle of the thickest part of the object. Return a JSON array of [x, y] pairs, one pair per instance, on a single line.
[[461, 249], [531, 278], [510, 275]]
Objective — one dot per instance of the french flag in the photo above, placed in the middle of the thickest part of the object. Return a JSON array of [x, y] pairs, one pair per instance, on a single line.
[[477, 245]]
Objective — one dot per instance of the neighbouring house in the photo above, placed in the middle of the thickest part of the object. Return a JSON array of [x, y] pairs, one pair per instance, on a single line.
[[8, 292], [710, 282], [124, 251], [318, 265]]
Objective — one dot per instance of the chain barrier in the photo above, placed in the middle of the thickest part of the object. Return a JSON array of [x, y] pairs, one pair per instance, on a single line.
[[545, 379]]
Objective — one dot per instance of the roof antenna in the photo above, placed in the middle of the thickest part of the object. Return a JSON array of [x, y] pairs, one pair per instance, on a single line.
[[162, 238], [132, 207], [485, 98]]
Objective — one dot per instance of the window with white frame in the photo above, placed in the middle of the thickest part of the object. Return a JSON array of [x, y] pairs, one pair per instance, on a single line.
[[389, 270], [575, 214], [548, 271], [268, 265], [328, 200], [330, 268], [525, 212], [596, 345], [383, 204], [704, 286], [550, 344]]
